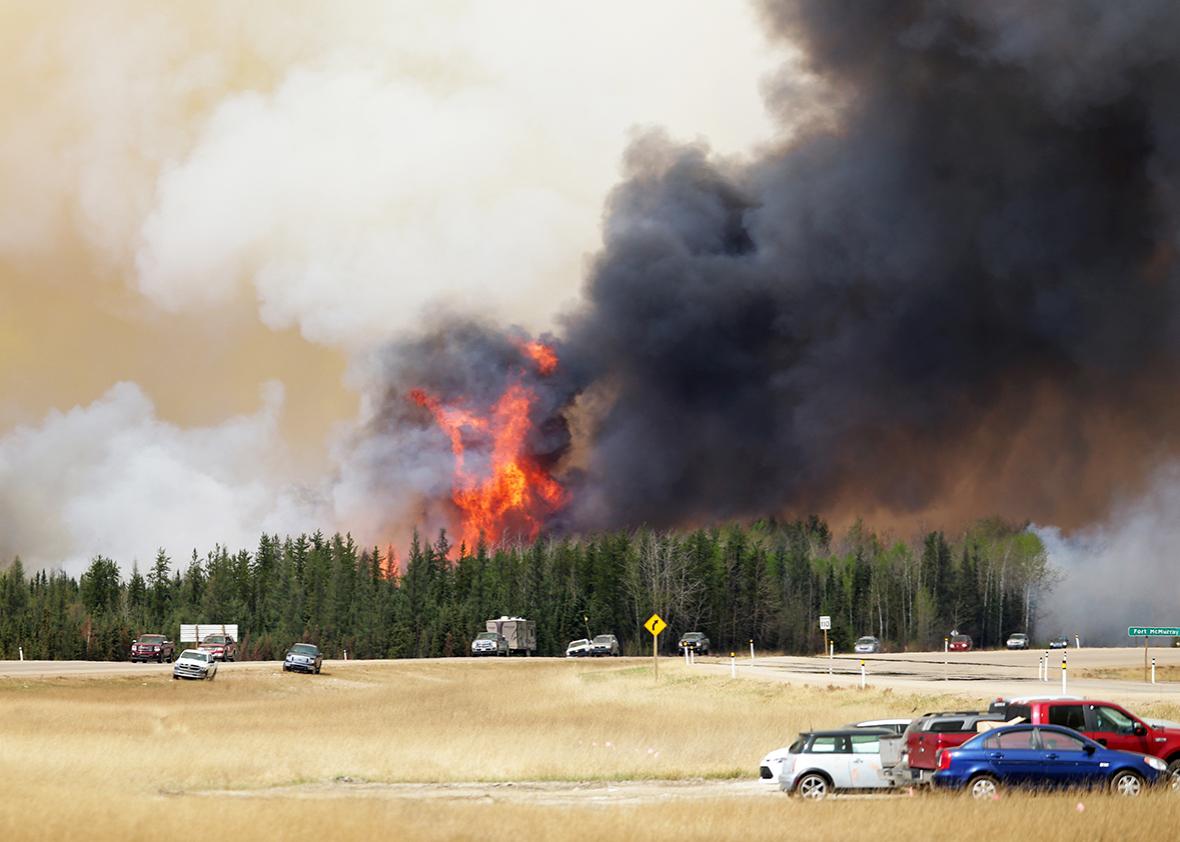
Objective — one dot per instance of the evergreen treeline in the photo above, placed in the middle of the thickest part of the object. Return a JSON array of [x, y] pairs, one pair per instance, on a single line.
[[767, 581]]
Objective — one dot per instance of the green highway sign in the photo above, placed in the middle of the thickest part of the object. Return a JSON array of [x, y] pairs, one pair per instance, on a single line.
[[1153, 631]]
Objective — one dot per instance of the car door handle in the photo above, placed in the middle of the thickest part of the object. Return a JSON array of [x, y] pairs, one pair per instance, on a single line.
[[996, 755], [858, 760], [1050, 756]]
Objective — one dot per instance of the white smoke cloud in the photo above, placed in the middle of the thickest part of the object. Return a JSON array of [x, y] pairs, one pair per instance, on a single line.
[[1120, 573], [112, 478]]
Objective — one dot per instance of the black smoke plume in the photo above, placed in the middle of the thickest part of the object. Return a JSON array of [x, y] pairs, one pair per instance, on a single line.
[[950, 287]]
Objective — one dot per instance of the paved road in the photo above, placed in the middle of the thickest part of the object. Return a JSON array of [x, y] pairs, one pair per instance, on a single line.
[[43, 669], [986, 674]]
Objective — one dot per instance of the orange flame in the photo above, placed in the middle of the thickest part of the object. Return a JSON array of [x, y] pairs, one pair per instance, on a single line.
[[513, 494], [542, 355]]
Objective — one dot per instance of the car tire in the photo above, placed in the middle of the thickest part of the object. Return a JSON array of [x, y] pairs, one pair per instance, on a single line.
[[1174, 771], [983, 787], [317, 670], [175, 677], [1128, 783], [813, 787]]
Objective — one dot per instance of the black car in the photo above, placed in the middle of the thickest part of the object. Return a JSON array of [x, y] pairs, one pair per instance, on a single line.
[[696, 641], [303, 657]]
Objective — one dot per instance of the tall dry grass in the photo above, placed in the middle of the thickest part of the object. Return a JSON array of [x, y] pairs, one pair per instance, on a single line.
[[113, 757]]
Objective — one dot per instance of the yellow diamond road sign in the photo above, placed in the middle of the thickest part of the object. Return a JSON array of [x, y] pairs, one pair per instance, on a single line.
[[655, 624]]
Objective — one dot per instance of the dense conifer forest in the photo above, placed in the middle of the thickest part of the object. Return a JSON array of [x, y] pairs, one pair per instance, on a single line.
[[766, 581]]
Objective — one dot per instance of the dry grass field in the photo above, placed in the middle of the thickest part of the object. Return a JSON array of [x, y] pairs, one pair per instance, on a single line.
[[258, 753]]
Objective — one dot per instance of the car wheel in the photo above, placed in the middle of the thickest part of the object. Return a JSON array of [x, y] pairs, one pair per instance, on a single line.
[[983, 787], [813, 786], [317, 670], [1174, 772], [1126, 782], [175, 677]]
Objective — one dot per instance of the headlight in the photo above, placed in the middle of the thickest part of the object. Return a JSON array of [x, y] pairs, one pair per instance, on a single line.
[[1156, 763]]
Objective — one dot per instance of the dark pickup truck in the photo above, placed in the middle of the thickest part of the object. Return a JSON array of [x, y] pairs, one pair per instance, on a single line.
[[1104, 722], [153, 647]]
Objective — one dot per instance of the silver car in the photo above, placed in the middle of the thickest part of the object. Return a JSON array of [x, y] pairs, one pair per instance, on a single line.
[[822, 762], [489, 643], [867, 645], [193, 663]]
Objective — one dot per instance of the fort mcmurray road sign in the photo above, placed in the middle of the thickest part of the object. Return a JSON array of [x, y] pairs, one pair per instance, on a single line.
[[655, 624], [1153, 631]]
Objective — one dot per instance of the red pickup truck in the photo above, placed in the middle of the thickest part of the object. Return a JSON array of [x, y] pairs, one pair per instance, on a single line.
[[1104, 722]]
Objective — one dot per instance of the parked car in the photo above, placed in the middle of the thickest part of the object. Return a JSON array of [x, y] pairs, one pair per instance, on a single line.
[[960, 643], [152, 647], [867, 645], [221, 646], [1046, 756], [303, 657], [696, 641], [931, 733], [897, 726], [1018, 641], [489, 643], [819, 763], [1106, 723], [604, 644], [578, 648], [193, 663], [1059, 643]]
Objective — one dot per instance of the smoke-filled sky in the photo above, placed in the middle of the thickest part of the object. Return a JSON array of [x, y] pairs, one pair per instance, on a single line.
[[199, 201], [914, 261]]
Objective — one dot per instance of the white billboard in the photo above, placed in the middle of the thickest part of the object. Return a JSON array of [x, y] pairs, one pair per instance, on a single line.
[[197, 633]]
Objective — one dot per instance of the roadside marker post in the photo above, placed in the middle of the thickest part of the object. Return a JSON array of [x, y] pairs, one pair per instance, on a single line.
[[686, 656], [825, 623], [946, 648], [21, 650], [1153, 670], [1064, 670], [1046, 666], [655, 624], [831, 654], [733, 665], [751, 651], [862, 675]]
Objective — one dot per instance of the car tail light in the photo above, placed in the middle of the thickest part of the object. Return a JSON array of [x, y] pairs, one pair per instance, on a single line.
[[944, 759]]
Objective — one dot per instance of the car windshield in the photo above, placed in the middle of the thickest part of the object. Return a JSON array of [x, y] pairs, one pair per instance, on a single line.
[[693, 636], [867, 640], [215, 638], [960, 638], [797, 746], [486, 636], [304, 649], [581, 642], [603, 638], [194, 655], [151, 638], [1019, 637]]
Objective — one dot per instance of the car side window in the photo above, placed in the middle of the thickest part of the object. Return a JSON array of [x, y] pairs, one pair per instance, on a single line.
[[1017, 740], [1068, 716], [1054, 741], [948, 725], [1112, 720], [829, 745], [866, 744]]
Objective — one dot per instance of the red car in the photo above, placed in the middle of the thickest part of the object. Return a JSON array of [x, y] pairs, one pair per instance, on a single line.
[[221, 646], [152, 647], [960, 643], [1104, 722]]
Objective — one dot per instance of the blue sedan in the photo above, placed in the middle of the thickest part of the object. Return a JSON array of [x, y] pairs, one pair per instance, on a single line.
[[1043, 756]]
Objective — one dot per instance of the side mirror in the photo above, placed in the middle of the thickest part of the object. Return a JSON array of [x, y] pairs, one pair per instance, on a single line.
[[1089, 748], [1139, 730]]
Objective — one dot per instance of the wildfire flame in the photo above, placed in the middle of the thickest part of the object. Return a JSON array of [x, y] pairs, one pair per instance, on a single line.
[[512, 494]]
